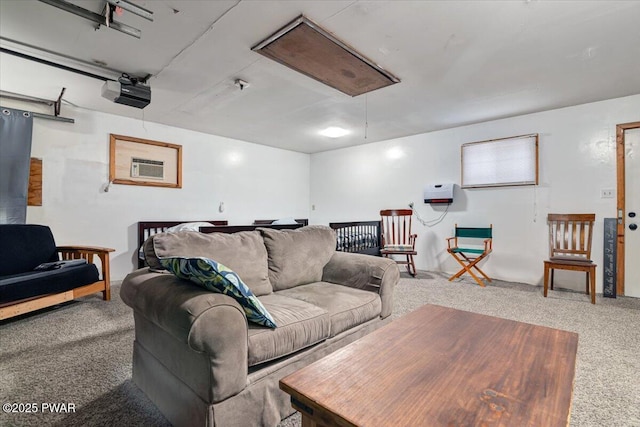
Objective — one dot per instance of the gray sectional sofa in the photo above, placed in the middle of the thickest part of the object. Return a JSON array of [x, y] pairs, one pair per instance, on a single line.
[[198, 358]]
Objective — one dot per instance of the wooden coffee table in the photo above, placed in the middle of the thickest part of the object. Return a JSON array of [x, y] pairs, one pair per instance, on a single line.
[[439, 366]]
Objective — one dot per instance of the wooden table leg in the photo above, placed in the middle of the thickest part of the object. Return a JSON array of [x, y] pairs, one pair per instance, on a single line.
[[308, 422]]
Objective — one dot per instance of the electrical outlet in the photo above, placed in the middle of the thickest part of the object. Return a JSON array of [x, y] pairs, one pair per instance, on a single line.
[[607, 193], [411, 205]]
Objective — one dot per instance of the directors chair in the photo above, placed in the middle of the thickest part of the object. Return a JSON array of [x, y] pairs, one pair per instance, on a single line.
[[397, 238], [570, 238], [469, 258]]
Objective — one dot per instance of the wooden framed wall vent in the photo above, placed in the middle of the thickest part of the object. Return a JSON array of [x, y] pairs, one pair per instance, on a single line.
[[136, 161], [304, 46]]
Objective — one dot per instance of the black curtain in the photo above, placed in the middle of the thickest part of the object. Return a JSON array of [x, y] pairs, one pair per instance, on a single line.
[[16, 127]]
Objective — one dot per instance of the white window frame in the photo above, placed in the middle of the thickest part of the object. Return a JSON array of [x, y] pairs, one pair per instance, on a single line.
[[486, 163]]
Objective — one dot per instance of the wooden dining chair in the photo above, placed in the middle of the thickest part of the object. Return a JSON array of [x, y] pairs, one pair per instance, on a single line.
[[473, 250], [397, 238], [570, 237]]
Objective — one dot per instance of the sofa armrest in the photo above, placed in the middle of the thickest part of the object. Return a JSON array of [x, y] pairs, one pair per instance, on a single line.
[[205, 322], [366, 272]]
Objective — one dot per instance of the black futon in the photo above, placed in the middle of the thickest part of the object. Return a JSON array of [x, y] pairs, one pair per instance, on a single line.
[[32, 275]]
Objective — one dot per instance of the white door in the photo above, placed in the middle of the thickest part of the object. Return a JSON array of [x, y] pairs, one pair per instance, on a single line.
[[632, 213]]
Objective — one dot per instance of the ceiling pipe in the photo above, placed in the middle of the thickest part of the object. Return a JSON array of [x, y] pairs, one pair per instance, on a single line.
[[53, 64], [46, 56], [34, 100], [93, 17], [133, 8], [54, 118]]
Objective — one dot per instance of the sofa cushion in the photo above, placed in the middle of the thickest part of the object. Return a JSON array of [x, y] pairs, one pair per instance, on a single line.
[[242, 252], [25, 246], [38, 283], [215, 277], [300, 325], [348, 307], [297, 257]]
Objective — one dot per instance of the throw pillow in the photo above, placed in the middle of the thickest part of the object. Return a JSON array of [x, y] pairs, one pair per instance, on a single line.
[[285, 221], [215, 277], [242, 252], [297, 257], [189, 226]]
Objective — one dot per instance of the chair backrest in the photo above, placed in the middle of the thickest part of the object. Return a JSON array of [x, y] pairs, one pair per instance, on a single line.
[[570, 235], [396, 226], [474, 232], [24, 246]]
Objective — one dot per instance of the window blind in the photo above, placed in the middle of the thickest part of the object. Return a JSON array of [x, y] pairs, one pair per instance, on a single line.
[[500, 162]]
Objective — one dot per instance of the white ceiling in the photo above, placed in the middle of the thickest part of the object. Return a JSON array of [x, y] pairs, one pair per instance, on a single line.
[[459, 62]]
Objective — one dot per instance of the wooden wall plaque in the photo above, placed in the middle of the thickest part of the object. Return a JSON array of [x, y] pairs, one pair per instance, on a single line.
[[34, 194]]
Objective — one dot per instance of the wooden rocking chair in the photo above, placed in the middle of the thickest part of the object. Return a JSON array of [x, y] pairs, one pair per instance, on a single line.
[[397, 238]]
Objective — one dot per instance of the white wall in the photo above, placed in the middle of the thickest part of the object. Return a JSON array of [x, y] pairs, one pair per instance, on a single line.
[[577, 160], [253, 181]]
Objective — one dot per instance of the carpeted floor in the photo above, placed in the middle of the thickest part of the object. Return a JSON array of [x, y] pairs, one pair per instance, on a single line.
[[80, 353]]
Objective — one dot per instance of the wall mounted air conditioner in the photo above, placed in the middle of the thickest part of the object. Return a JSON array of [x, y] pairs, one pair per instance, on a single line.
[[438, 193], [145, 168]]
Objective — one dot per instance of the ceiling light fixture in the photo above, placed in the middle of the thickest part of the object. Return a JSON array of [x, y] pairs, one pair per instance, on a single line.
[[311, 50], [334, 132]]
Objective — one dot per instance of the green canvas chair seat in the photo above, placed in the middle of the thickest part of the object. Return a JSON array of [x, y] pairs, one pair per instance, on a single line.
[[470, 262], [469, 250]]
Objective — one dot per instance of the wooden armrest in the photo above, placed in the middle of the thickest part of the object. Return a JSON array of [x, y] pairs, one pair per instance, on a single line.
[[88, 252], [449, 239], [96, 249]]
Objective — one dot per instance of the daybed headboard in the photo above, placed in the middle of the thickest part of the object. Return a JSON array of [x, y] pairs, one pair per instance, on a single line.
[[236, 228], [147, 229]]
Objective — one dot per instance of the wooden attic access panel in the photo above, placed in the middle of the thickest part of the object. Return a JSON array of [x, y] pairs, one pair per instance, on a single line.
[[307, 48]]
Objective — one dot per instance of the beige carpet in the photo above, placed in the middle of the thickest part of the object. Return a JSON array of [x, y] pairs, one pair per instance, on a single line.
[[80, 353]]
